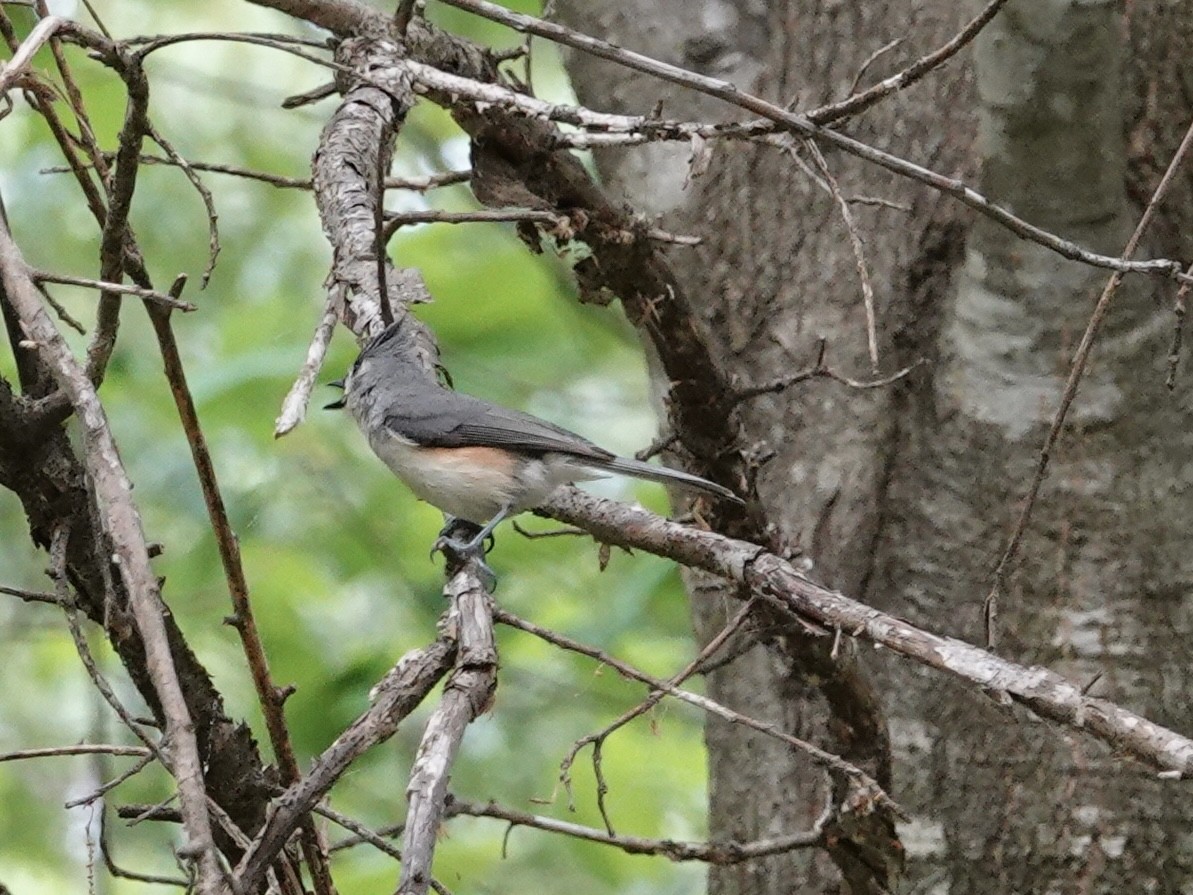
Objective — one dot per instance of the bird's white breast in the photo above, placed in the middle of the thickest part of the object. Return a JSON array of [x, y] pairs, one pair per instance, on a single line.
[[474, 483]]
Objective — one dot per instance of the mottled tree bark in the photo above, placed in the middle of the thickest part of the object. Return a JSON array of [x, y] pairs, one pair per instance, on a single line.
[[1005, 805], [911, 491]]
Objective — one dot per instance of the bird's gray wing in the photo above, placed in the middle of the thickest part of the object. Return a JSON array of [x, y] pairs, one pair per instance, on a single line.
[[455, 420]]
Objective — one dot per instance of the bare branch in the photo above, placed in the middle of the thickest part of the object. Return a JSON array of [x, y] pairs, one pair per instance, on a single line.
[[123, 523], [914, 72], [467, 693], [269, 696], [597, 740], [213, 231], [396, 696], [151, 295], [30, 596], [859, 252], [801, 126], [1076, 372], [361, 833], [1044, 692], [294, 405], [15, 68], [709, 852], [418, 184], [115, 239], [866, 789], [1178, 333], [820, 369], [81, 749], [103, 789]]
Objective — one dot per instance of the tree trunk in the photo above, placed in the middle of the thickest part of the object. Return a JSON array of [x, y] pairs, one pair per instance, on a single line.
[[1004, 804], [906, 495]]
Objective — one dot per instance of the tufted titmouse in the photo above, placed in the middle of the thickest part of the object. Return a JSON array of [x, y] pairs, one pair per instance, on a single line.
[[474, 460]]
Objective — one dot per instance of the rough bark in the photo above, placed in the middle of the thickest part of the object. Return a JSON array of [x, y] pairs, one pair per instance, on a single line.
[[1003, 805], [773, 276], [910, 492]]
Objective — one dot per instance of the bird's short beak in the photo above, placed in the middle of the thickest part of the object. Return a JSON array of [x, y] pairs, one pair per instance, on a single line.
[[335, 405]]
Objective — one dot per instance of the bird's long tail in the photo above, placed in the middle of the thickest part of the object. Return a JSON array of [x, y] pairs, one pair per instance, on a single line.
[[640, 470]]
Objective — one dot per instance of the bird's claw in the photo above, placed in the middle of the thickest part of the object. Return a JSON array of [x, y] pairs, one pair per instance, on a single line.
[[457, 551]]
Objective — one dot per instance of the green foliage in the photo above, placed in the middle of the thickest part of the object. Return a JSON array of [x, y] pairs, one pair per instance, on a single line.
[[335, 549]]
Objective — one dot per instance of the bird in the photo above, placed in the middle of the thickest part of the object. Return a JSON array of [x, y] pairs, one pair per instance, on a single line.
[[474, 460]]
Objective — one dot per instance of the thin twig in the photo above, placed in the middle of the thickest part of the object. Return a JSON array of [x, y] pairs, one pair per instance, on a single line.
[[213, 230], [103, 789], [64, 315], [821, 370], [151, 295], [833, 763], [1076, 372], [870, 60], [396, 219], [362, 833], [80, 749], [294, 405], [1178, 333], [417, 184], [914, 72], [105, 850], [30, 596], [717, 853], [270, 697], [597, 740], [101, 683], [859, 252]]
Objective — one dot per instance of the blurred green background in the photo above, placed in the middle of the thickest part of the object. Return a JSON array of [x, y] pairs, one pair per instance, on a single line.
[[335, 549]]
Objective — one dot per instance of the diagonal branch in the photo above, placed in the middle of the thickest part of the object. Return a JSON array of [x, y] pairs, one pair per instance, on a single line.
[[801, 125], [865, 789], [401, 692], [779, 584], [859, 102], [113, 492], [675, 850], [1077, 371]]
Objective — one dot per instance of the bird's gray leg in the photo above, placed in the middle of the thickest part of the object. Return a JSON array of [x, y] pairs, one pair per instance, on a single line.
[[479, 538], [475, 545]]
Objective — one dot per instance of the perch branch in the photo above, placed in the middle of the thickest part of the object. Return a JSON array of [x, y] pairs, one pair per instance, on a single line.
[[466, 694]]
